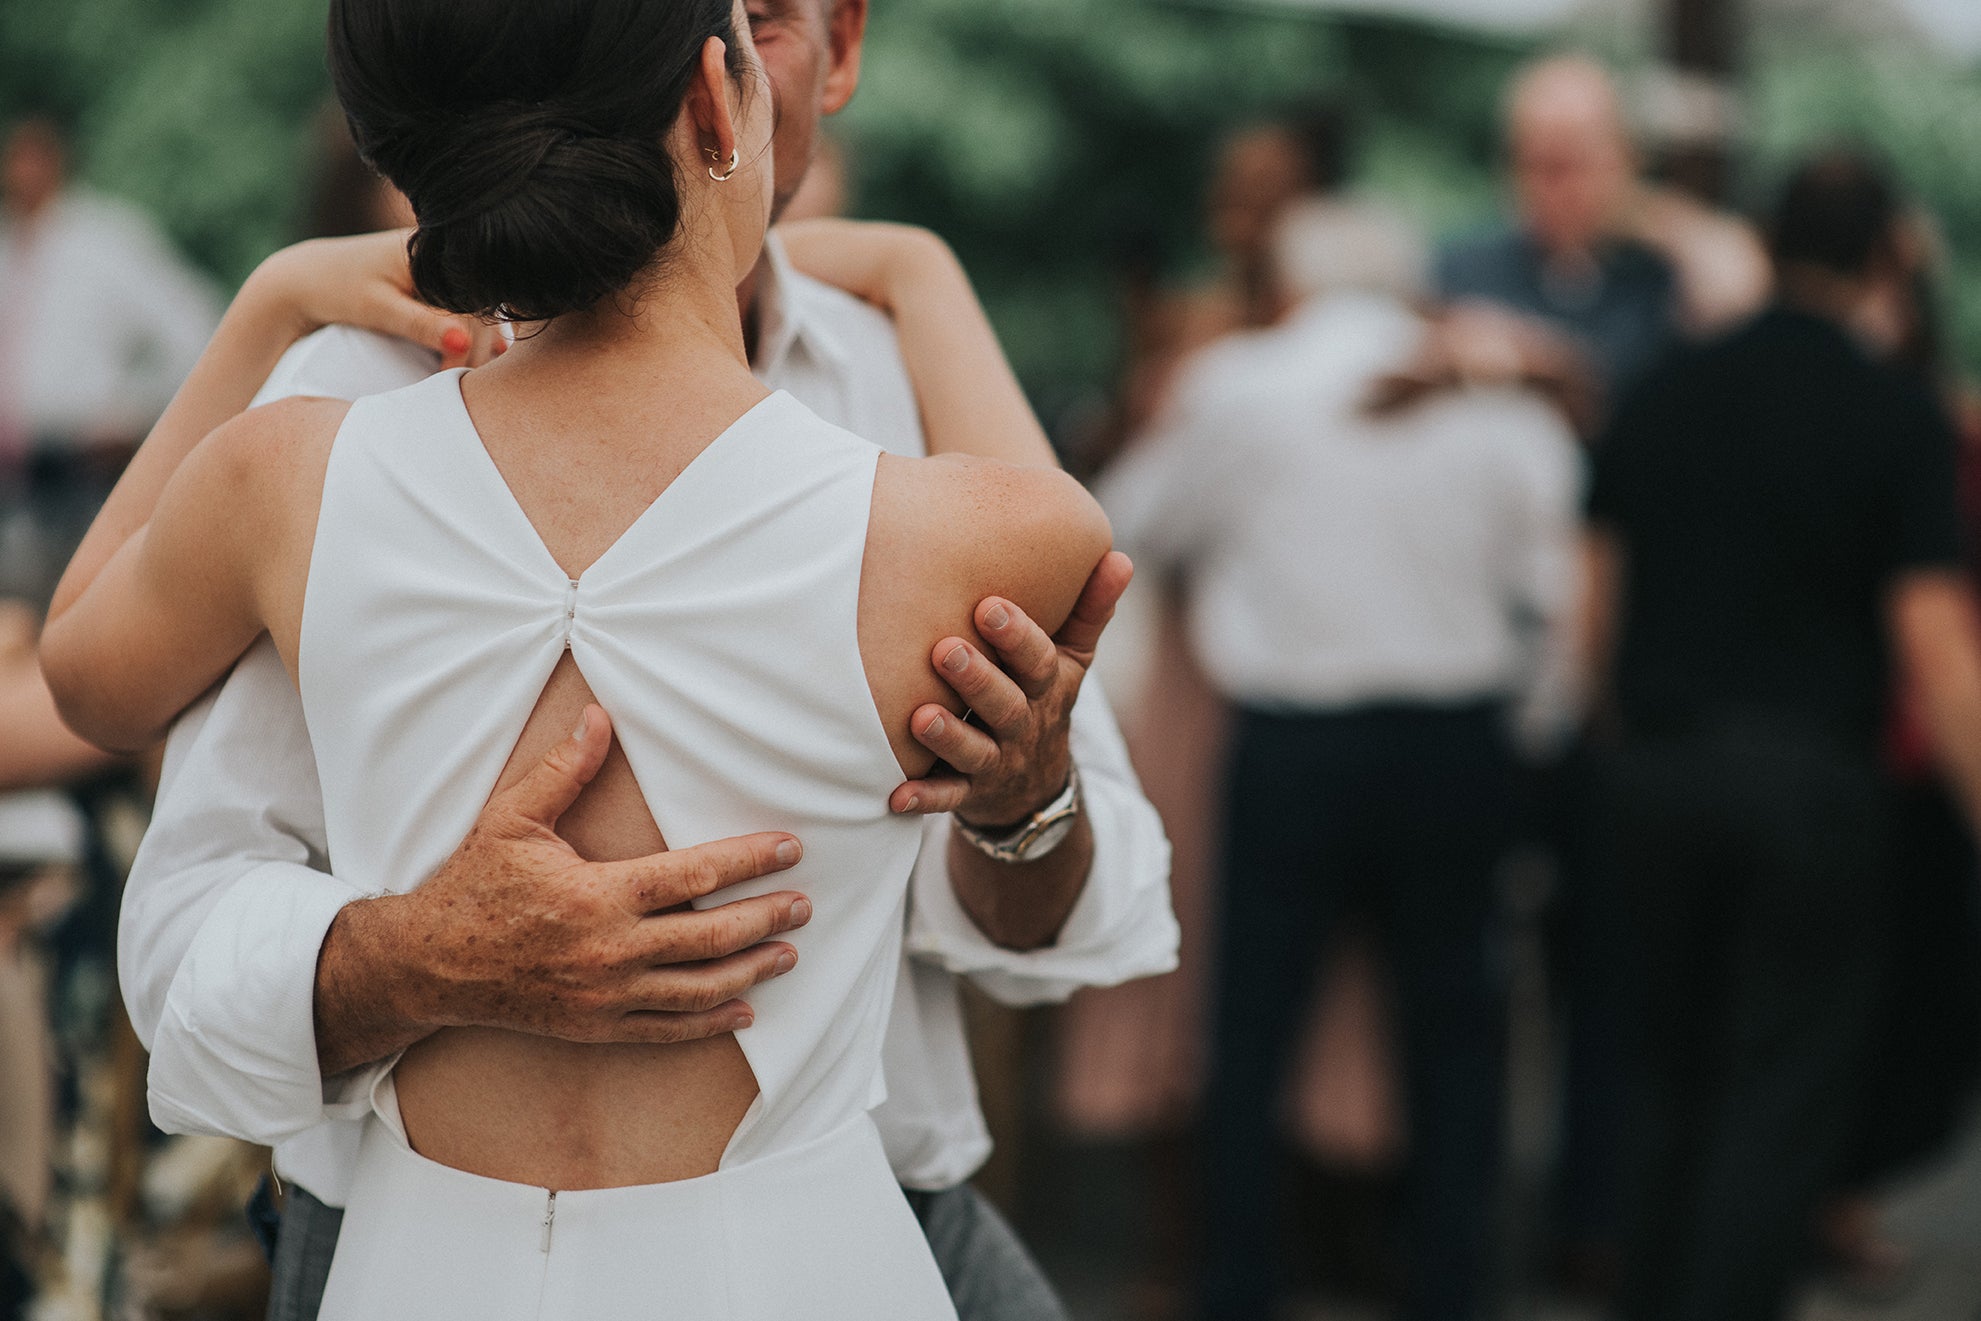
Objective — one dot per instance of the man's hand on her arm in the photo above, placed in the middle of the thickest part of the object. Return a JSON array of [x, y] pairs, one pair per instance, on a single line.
[[517, 931], [1015, 757]]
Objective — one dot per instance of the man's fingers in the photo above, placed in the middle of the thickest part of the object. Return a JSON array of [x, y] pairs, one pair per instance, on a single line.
[[1028, 654], [1082, 631], [929, 797], [963, 746], [992, 694], [642, 1027], [555, 782], [691, 936], [698, 988], [668, 880]]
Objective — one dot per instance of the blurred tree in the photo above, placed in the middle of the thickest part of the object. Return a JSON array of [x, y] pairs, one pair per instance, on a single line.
[[195, 109], [1053, 141], [1923, 114]]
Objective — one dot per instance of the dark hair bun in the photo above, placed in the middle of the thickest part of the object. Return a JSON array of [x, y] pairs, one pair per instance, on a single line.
[[529, 219], [530, 138]]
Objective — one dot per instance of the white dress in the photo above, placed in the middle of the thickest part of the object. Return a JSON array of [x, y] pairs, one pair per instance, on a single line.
[[720, 633]]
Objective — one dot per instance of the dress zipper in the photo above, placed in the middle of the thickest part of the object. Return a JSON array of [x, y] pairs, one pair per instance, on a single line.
[[549, 1218]]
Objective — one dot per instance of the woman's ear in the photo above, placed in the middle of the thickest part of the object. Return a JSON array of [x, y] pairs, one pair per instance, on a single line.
[[708, 105]]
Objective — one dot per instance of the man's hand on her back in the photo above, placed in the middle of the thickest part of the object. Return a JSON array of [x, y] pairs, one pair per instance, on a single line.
[[517, 931]]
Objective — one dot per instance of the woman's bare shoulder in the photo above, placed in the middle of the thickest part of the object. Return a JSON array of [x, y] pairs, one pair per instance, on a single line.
[[275, 435], [979, 525], [271, 458]]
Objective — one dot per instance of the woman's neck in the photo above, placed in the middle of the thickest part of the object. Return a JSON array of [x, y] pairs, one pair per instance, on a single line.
[[685, 323]]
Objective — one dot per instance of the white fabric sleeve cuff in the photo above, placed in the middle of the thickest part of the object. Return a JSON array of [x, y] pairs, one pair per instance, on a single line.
[[235, 1054], [1121, 928]]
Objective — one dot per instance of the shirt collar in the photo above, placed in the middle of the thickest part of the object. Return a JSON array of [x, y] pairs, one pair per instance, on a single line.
[[788, 319]]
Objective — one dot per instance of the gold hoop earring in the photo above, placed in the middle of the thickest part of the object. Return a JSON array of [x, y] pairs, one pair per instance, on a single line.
[[735, 160]]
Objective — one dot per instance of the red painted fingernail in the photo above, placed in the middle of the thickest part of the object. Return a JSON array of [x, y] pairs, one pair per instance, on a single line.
[[454, 342]]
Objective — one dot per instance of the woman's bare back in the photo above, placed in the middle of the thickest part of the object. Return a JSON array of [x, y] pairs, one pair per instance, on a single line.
[[570, 1115]]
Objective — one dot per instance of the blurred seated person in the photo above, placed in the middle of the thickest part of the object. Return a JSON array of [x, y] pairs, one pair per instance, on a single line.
[[103, 321], [1773, 525], [1368, 591], [1567, 260], [40, 847]]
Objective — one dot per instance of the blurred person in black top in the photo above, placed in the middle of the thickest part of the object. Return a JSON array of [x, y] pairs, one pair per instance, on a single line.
[[1772, 517], [1926, 1062]]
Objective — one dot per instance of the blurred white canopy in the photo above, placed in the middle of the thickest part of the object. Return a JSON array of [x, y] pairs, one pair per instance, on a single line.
[[1501, 15], [1953, 24], [1957, 23]]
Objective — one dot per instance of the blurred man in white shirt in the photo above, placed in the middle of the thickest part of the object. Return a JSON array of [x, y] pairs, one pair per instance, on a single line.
[[99, 322], [1369, 590]]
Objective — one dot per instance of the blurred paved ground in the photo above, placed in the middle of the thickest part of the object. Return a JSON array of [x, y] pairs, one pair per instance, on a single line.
[[1938, 1216], [1095, 1213]]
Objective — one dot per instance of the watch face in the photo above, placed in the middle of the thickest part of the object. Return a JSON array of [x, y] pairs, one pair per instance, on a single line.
[[1047, 839]]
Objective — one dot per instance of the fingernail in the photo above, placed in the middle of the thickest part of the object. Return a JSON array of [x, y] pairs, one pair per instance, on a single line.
[[801, 912], [584, 724], [789, 852], [787, 961], [454, 340], [935, 728], [910, 805], [957, 659], [997, 616], [743, 1021]]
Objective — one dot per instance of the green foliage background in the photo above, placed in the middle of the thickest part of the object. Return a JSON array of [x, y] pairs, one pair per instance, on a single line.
[[1038, 135]]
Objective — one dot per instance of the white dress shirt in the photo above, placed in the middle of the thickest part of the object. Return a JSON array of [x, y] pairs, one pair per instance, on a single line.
[[103, 320], [231, 895], [1337, 560]]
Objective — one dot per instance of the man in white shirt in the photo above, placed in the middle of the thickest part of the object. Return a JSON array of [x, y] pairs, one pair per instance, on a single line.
[[99, 321], [1365, 590], [240, 958]]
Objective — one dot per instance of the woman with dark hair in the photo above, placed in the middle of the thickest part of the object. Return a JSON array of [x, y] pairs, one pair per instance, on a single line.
[[615, 516]]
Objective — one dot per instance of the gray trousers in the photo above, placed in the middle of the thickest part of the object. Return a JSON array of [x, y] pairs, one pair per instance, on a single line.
[[990, 1274]]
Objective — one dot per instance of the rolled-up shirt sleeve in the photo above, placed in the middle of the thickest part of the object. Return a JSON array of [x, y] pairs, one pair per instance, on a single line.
[[1121, 928], [231, 896], [224, 914]]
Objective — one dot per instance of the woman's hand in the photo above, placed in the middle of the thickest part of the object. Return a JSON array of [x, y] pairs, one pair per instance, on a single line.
[[366, 282]]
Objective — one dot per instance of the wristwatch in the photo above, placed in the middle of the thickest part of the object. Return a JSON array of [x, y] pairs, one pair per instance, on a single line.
[[1037, 835]]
